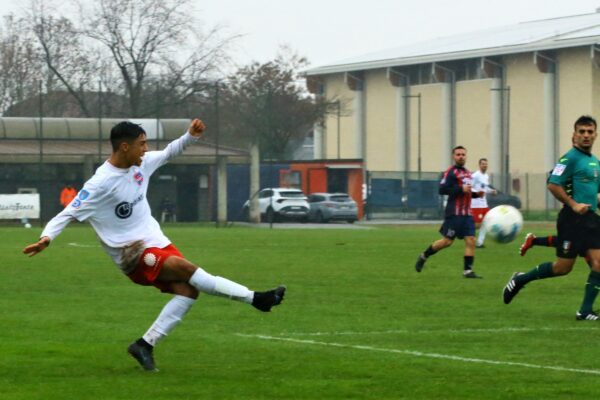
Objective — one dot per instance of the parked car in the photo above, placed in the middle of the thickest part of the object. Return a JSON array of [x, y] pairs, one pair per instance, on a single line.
[[279, 203], [502, 198], [325, 207]]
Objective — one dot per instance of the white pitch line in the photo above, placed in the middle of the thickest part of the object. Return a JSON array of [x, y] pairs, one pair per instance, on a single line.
[[466, 330], [428, 355]]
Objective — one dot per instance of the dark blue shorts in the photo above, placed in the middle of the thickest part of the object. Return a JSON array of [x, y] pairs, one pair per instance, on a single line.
[[458, 226]]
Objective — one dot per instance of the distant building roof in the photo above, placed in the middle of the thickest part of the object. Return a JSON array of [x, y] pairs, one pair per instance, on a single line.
[[73, 139], [555, 33]]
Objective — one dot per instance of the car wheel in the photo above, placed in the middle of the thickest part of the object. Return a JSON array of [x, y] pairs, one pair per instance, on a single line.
[[351, 221], [320, 218]]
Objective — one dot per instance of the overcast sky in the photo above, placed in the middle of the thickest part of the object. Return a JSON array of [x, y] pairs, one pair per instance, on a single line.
[[332, 30]]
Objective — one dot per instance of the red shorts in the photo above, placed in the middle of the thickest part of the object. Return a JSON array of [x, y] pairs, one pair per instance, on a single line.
[[149, 265], [479, 213]]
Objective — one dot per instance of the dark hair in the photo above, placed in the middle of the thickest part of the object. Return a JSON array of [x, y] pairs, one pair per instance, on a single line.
[[125, 132], [458, 148], [585, 120], [481, 159]]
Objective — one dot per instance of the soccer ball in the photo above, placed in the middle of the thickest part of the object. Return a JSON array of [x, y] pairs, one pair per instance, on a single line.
[[503, 223], [27, 225]]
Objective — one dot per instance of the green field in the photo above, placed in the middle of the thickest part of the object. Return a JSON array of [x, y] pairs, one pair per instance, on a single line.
[[357, 323]]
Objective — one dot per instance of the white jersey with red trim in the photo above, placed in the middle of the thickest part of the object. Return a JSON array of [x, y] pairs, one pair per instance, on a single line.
[[115, 204], [481, 183]]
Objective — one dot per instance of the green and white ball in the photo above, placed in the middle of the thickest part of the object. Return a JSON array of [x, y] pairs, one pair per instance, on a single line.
[[503, 223]]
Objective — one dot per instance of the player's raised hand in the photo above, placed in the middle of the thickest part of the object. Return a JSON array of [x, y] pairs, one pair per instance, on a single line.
[[197, 128], [37, 247]]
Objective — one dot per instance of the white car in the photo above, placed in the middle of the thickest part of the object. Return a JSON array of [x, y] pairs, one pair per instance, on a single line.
[[280, 203]]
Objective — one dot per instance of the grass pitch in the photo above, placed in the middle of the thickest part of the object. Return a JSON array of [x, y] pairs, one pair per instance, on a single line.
[[357, 323]]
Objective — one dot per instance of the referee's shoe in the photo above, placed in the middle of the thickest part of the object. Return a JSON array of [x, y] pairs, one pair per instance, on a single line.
[[590, 316], [512, 288]]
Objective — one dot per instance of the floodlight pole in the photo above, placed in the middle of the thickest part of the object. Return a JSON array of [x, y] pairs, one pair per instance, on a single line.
[[157, 114], [217, 134], [338, 104], [99, 121]]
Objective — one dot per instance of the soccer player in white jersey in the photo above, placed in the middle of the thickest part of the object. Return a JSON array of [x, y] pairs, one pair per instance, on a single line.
[[115, 204], [479, 205]]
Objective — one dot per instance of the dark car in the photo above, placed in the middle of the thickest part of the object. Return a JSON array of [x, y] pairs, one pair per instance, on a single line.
[[325, 207], [499, 198]]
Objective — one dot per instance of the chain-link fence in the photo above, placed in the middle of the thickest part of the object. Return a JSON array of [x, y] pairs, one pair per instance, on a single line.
[[414, 195]]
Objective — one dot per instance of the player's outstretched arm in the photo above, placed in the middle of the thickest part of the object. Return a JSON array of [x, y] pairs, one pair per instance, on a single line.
[[197, 128], [37, 247]]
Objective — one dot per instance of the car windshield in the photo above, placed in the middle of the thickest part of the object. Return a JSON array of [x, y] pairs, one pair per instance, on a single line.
[[291, 194], [340, 198]]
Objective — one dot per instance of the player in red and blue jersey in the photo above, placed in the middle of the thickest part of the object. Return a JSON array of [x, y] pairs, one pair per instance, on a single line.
[[458, 219]]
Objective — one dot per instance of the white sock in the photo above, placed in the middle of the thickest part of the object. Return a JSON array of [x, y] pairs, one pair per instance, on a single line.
[[481, 236], [169, 317], [217, 286]]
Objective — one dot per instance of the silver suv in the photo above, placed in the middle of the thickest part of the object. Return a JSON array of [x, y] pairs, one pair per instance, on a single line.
[[280, 203], [325, 207]]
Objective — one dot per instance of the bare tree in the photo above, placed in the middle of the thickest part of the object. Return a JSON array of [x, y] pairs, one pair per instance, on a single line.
[[19, 65], [71, 64], [146, 39], [145, 55]]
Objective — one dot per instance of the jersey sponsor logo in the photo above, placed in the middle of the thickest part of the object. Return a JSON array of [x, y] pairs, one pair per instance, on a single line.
[[559, 169], [139, 178], [83, 194], [125, 209], [76, 204]]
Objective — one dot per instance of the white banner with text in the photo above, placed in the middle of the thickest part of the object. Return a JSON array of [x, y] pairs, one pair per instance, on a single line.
[[17, 206]]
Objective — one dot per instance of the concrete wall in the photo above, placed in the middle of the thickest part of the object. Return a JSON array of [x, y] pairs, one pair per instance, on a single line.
[[432, 152], [380, 123], [473, 109]]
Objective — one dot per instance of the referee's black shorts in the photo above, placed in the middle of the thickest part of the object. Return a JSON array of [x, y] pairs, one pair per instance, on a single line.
[[576, 233]]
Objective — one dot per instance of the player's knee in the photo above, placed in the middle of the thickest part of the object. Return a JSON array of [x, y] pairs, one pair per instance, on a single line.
[[559, 269], [184, 289], [180, 267]]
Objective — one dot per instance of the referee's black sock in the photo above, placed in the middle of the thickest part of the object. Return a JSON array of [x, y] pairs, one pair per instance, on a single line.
[[591, 292]]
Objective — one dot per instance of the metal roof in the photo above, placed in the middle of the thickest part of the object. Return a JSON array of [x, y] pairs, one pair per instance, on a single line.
[[75, 151], [555, 33]]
